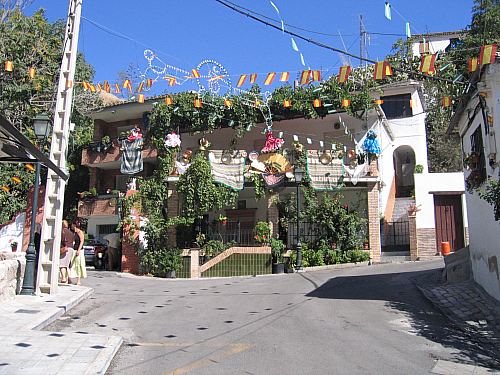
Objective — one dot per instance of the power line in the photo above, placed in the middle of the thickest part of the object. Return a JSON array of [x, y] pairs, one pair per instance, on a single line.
[[323, 45]]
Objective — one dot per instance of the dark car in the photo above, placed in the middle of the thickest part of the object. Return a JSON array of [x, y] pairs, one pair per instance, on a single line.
[[95, 252]]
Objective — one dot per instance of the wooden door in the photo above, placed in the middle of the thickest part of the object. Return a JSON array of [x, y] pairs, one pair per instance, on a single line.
[[449, 221]]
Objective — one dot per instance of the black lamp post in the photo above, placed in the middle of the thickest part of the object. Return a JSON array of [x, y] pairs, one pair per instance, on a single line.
[[41, 125], [299, 173]]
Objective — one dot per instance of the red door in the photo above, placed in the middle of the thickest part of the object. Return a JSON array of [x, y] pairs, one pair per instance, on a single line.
[[449, 221]]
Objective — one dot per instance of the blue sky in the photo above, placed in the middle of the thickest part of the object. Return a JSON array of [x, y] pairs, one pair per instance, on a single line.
[[185, 32]]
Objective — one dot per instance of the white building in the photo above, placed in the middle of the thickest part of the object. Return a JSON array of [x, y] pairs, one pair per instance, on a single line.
[[478, 121], [433, 42]]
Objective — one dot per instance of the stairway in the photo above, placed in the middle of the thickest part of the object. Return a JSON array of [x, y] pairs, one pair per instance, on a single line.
[[400, 211]]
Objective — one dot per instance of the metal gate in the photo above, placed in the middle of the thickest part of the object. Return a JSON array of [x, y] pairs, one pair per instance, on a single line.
[[395, 236]]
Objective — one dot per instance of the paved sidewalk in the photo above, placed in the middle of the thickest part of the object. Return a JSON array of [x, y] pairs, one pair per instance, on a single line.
[[469, 307], [25, 350]]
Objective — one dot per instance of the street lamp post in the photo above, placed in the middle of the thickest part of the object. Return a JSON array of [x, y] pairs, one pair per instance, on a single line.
[[299, 173], [41, 125]]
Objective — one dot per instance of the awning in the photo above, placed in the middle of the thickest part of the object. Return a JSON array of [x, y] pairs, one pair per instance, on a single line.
[[16, 148]]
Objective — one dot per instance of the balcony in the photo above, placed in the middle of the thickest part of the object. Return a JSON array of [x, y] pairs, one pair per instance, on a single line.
[[103, 205], [111, 158]]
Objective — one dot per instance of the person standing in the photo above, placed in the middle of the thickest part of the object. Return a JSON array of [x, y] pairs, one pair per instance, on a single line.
[[66, 251], [113, 250], [78, 269]]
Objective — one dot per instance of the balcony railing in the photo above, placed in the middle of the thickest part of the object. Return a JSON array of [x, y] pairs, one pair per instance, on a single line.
[[112, 155], [104, 205]]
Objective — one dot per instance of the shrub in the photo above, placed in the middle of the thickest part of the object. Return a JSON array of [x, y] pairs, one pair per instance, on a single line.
[[311, 257], [277, 249], [213, 248], [262, 232], [159, 261], [357, 256]]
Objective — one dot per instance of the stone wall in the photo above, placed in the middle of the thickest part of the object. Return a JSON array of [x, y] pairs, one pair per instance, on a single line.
[[426, 240], [11, 274]]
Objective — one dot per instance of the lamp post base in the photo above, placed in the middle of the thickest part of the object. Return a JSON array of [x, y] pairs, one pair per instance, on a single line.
[[28, 288]]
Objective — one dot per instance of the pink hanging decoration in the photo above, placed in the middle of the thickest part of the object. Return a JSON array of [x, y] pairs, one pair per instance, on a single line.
[[272, 144]]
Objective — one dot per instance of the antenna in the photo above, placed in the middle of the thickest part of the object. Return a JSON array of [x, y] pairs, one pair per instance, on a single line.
[[363, 35]]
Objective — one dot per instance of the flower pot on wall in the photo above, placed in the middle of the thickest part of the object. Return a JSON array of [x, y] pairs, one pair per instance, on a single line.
[[366, 245]]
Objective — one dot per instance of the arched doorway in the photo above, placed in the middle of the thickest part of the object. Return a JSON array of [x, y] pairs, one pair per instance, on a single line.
[[404, 167]]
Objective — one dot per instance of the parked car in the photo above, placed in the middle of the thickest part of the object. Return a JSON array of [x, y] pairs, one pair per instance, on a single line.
[[95, 253]]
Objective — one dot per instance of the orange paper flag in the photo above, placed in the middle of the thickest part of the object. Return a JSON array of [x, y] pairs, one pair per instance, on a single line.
[[140, 98], [378, 101], [380, 70], [305, 77], [253, 77], [86, 85], [117, 89], [30, 167], [127, 85], [17, 180], [228, 103], [269, 79], [198, 103], [473, 64], [427, 63], [69, 84], [140, 87], [287, 103], [242, 80], [149, 82], [172, 81], [487, 54], [168, 100], [285, 76], [344, 72], [6, 188], [446, 101], [196, 73], [316, 75]]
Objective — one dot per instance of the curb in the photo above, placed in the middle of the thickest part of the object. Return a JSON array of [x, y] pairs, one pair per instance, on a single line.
[[63, 309], [115, 343]]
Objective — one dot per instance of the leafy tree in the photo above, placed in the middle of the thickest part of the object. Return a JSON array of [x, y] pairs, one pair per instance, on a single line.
[[33, 42], [7, 7]]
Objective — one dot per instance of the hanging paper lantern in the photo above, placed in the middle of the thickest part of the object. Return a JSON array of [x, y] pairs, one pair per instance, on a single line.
[[9, 66], [198, 103], [228, 103], [30, 167], [371, 144], [317, 103], [168, 100], [31, 73], [346, 103], [287, 103], [6, 188], [17, 180], [172, 140]]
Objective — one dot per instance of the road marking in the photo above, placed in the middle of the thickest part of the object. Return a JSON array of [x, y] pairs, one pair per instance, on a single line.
[[212, 358]]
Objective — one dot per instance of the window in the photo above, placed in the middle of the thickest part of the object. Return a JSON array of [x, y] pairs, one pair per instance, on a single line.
[[476, 141], [121, 182], [106, 229], [397, 106], [424, 47], [242, 204]]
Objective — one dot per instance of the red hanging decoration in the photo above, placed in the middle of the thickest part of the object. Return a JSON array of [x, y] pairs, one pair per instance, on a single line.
[[272, 144]]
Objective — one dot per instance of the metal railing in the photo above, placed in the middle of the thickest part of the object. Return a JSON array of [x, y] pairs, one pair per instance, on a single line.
[[232, 232], [395, 235]]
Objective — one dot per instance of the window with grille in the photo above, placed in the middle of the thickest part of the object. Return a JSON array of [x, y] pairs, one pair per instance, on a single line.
[[106, 229], [397, 106], [476, 141]]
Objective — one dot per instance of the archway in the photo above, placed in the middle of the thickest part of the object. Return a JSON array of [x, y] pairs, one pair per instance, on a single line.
[[404, 167]]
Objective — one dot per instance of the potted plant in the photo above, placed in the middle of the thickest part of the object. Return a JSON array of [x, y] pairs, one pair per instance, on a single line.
[[223, 219], [213, 248], [106, 143], [262, 232], [13, 246], [474, 180], [419, 168], [277, 249]]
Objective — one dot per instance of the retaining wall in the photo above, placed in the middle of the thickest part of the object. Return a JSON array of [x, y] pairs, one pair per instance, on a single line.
[[11, 274]]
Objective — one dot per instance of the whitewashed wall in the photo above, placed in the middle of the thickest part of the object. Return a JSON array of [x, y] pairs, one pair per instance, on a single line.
[[436, 182], [94, 221], [484, 231]]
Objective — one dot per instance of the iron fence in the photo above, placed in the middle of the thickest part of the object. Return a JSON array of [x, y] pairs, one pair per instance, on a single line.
[[395, 236]]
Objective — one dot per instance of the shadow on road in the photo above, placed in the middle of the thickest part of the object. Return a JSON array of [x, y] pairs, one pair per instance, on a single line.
[[400, 293]]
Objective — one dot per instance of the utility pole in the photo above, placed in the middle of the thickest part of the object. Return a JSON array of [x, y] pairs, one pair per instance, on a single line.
[[48, 265], [362, 41]]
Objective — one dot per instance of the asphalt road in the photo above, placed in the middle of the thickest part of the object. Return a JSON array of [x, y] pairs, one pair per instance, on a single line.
[[364, 320]]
